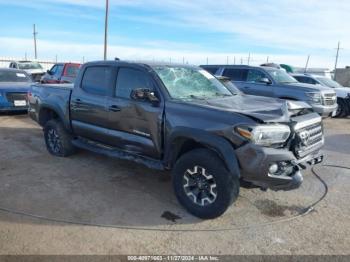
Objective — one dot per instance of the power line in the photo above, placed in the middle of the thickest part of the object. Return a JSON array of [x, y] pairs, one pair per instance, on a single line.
[[336, 61], [34, 35], [106, 31]]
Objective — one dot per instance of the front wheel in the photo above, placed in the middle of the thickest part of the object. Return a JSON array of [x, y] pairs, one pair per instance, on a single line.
[[203, 185], [58, 140]]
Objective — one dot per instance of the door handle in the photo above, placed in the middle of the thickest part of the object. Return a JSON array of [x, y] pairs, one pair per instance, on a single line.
[[78, 101], [114, 108]]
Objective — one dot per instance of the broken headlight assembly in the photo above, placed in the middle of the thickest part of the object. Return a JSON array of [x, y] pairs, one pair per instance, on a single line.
[[265, 135]]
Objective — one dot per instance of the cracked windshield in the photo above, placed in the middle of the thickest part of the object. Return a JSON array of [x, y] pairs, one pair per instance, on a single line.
[[190, 83]]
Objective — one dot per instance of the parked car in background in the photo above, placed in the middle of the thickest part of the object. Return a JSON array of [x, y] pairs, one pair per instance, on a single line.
[[273, 82], [343, 93], [34, 69], [14, 86], [61, 73], [181, 118], [287, 68]]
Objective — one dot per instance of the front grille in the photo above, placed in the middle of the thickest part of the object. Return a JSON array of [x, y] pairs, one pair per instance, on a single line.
[[309, 139], [11, 97], [329, 99]]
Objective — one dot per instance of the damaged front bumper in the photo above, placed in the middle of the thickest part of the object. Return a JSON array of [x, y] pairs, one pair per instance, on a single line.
[[275, 169]]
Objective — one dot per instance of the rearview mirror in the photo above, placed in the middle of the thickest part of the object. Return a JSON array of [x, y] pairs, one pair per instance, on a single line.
[[143, 94], [265, 80]]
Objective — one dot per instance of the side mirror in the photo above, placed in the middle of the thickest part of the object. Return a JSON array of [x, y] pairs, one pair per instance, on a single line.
[[49, 72], [265, 80], [144, 94]]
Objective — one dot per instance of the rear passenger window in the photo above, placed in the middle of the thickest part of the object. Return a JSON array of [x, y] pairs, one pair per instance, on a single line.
[[255, 75], [236, 74], [97, 79], [129, 79]]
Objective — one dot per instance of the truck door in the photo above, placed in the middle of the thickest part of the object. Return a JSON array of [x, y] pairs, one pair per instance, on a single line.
[[135, 126], [89, 112], [254, 84]]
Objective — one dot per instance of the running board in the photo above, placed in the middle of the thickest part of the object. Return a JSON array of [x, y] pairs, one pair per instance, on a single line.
[[116, 153]]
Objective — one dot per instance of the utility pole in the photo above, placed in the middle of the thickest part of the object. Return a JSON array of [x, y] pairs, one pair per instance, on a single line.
[[248, 58], [227, 60], [307, 63], [207, 60], [25, 56], [267, 59], [34, 35], [336, 62], [234, 60], [106, 31]]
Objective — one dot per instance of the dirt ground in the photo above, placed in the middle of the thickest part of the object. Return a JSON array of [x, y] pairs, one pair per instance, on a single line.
[[90, 204]]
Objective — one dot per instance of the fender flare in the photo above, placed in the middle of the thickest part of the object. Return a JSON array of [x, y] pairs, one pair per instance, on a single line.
[[58, 112], [218, 144]]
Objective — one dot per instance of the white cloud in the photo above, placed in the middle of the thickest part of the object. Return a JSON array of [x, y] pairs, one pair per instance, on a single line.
[[155, 51], [290, 26]]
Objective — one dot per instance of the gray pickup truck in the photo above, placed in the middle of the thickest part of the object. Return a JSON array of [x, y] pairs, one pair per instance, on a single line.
[[273, 82], [181, 118]]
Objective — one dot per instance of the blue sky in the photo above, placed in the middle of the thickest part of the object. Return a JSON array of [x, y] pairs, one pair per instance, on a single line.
[[285, 30]]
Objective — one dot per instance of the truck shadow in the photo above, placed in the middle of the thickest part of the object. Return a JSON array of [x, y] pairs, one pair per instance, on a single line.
[[92, 189]]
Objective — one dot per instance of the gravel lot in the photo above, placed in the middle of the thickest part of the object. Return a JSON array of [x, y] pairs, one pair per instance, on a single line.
[[137, 212]]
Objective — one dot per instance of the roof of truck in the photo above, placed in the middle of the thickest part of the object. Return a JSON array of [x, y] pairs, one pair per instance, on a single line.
[[147, 63]]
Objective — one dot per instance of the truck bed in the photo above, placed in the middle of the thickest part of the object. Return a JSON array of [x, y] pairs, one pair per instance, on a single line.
[[53, 96]]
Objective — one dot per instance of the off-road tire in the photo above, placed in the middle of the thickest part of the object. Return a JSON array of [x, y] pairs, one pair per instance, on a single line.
[[227, 184], [63, 147]]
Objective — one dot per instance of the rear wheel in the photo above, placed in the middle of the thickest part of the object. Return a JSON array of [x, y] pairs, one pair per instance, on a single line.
[[342, 110], [203, 185], [58, 140]]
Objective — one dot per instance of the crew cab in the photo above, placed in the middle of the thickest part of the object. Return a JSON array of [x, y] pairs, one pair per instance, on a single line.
[[273, 82], [181, 118], [61, 73]]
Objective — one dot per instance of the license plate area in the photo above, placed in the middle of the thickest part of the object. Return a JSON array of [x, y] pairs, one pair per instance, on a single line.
[[20, 103]]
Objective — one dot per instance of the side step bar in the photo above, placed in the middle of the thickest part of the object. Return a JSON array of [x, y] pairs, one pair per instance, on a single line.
[[117, 153]]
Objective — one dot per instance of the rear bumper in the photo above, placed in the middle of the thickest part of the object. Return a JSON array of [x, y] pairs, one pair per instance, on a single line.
[[255, 163], [13, 109]]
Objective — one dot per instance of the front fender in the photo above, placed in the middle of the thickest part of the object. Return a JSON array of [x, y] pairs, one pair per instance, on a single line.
[[212, 141]]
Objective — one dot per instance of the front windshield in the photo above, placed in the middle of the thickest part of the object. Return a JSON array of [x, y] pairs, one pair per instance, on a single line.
[[29, 65], [187, 83], [281, 77], [13, 76], [328, 82]]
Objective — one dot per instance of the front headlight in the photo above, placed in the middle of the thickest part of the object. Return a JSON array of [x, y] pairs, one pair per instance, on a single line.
[[314, 98], [265, 135]]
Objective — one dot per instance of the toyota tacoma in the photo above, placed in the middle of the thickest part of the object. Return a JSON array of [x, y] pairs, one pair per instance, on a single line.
[[181, 118]]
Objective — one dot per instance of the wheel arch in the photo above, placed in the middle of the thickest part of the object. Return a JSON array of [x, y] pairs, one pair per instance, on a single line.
[[184, 140]]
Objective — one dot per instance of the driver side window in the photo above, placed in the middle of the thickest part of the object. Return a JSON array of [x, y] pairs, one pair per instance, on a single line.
[[53, 70], [129, 79], [255, 76]]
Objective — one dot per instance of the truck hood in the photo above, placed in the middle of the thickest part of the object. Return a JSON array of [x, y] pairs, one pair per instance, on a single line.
[[15, 87], [263, 108]]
